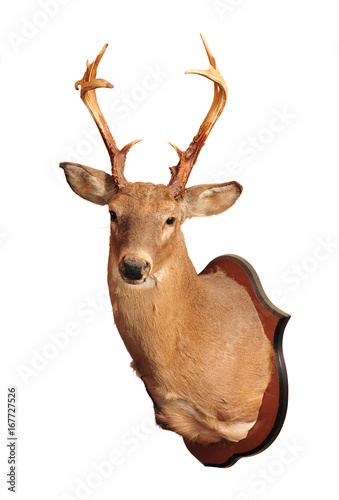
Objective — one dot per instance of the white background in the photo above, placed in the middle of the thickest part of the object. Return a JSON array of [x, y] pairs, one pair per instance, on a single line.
[[85, 407]]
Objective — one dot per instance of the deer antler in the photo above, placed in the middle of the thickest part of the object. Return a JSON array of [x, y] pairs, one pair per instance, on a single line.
[[187, 159], [88, 84]]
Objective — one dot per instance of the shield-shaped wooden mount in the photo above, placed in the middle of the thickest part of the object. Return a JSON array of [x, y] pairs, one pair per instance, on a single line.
[[273, 409]]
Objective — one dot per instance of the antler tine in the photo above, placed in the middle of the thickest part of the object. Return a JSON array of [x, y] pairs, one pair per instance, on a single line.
[[89, 83], [187, 159]]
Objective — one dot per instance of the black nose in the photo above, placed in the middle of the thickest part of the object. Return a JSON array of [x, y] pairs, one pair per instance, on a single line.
[[133, 270]]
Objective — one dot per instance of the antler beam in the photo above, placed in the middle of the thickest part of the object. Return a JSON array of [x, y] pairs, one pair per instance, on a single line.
[[187, 159], [89, 83]]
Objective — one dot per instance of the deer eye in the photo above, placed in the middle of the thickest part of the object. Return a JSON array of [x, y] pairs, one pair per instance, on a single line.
[[113, 215], [170, 221]]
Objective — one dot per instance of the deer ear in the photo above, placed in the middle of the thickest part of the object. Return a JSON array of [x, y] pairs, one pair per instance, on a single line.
[[209, 199], [91, 184]]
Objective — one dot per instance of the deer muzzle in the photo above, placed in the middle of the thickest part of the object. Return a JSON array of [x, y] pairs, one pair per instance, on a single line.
[[134, 270]]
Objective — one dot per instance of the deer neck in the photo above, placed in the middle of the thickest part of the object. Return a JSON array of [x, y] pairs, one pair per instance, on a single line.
[[150, 316]]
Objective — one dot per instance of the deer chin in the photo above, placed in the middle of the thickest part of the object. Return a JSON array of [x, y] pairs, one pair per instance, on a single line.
[[134, 282]]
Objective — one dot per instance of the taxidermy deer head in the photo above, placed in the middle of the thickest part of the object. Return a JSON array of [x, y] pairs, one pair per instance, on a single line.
[[195, 340]]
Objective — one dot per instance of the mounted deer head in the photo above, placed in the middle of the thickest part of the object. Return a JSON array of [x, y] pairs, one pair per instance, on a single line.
[[196, 341]]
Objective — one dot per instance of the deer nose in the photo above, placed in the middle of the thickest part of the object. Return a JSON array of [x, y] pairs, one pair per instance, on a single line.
[[134, 270]]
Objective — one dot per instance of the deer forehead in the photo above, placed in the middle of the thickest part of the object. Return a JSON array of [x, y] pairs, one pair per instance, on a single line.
[[144, 198]]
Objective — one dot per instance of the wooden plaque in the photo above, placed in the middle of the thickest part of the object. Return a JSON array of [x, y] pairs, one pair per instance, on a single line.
[[273, 409]]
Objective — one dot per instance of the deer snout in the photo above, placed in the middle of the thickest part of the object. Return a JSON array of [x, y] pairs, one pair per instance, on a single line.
[[134, 270]]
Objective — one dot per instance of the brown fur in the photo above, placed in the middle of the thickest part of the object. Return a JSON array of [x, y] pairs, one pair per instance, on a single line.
[[196, 340]]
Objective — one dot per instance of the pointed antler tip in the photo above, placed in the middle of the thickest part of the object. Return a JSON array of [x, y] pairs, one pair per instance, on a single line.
[[133, 143], [179, 152], [102, 51], [208, 52], [128, 146]]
